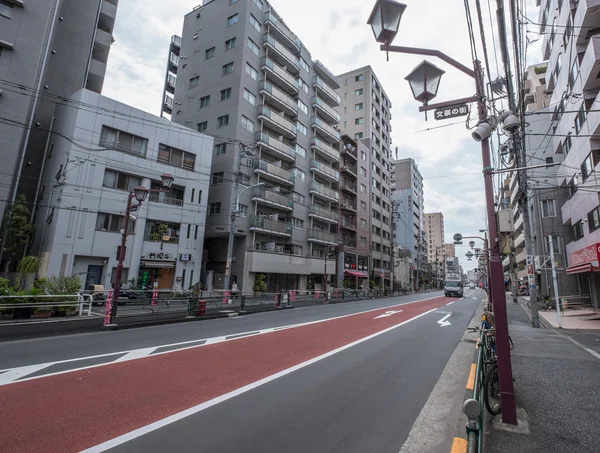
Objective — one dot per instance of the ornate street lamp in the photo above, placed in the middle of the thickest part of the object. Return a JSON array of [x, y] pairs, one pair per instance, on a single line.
[[424, 82], [140, 193], [385, 20], [167, 180]]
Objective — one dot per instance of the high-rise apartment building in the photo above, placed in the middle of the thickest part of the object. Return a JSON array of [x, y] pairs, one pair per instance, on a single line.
[[449, 250], [49, 49], [434, 226], [365, 114], [245, 78]]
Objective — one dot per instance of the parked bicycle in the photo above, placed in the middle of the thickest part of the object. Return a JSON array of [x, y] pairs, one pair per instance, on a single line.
[[546, 303]]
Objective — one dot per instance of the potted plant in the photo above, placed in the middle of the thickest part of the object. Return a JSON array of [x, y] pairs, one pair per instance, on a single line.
[[259, 284], [27, 266], [42, 312], [161, 230]]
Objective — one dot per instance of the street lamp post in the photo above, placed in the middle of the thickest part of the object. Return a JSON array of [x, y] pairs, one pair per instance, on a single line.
[[385, 21], [140, 194]]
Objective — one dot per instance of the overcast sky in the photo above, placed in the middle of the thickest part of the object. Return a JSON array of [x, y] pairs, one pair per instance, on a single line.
[[335, 32]]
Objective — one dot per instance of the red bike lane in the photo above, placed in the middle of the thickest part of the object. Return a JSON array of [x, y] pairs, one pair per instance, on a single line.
[[77, 410]]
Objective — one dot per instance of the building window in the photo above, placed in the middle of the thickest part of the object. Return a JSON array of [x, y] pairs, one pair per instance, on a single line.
[[303, 84], [363, 205], [123, 141], [298, 198], [299, 174], [358, 135], [232, 20], [220, 149], [363, 223], [255, 23], [258, 3], [578, 230], [574, 72], [363, 241], [122, 181], [358, 106], [204, 101], [113, 223], [231, 2], [594, 219], [247, 123], [363, 171], [304, 65], [223, 121], [214, 208], [176, 157], [301, 151], [194, 82], [360, 120], [251, 71], [5, 9], [253, 47], [566, 145], [230, 44], [301, 127], [217, 178], [359, 92], [359, 78], [209, 53], [363, 188], [580, 118], [243, 210], [297, 250], [249, 97], [297, 223], [227, 68], [226, 93], [302, 106], [202, 126], [568, 32]]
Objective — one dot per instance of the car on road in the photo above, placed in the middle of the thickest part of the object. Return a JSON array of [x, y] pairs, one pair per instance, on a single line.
[[472, 285], [453, 288]]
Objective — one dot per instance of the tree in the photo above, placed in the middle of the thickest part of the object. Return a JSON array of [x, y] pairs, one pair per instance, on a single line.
[[27, 265], [20, 231]]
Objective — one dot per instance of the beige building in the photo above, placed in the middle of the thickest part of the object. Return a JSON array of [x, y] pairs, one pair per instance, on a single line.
[[449, 250], [434, 226], [534, 88]]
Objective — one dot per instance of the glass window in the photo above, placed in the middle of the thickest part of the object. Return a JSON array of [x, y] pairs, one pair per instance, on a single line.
[[359, 92], [204, 101], [303, 84], [231, 2], [123, 141], [194, 82], [230, 44], [6, 9], [302, 106], [218, 177], [298, 250], [593, 220], [220, 149], [255, 23], [360, 120], [363, 205], [248, 96], [202, 126], [301, 127], [359, 78], [231, 20], [363, 241], [358, 135], [297, 223], [301, 151], [251, 71], [223, 121], [304, 65], [363, 188], [176, 157], [214, 208], [226, 93], [243, 210], [228, 68], [587, 167], [363, 223], [574, 72], [299, 174], [298, 198], [566, 145], [578, 230], [247, 123], [358, 106], [253, 47], [363, 155], [209, 53]]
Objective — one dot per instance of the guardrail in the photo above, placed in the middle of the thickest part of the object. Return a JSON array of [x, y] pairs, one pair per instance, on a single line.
[[27, 305]]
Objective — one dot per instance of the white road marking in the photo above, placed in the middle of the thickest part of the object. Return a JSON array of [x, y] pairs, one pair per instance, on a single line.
[[450, 303], [591, 351], [388, 313], [19, 372], [136, 354], [442, 322], [203, 406]]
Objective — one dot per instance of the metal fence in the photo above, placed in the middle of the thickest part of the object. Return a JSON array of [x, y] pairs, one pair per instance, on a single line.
[[45, 306]]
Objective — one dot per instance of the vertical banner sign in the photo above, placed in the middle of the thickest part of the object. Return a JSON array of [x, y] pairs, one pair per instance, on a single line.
[[108, 308], [155, 292], [530, 271]]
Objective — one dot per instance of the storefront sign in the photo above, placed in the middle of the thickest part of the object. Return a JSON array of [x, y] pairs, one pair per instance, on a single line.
[[158, 256], [184, 257], [586, 255]]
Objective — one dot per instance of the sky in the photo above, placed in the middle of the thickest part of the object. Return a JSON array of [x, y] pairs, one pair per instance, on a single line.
[[336, 33]]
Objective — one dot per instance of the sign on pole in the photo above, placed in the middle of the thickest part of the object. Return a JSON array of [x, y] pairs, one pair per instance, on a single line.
[[451, 112]]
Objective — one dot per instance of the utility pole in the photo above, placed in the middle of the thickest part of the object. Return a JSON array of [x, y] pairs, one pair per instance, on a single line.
[[519, 153], [555, 282]]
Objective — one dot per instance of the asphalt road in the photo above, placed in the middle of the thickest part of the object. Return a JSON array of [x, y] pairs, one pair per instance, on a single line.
[[344, 378]]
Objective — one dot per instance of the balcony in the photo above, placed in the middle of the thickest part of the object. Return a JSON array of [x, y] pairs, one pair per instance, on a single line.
[[348, 223], [326, 112], [590, 66], [520, 239], [275, 146], [348, 186], [108, 14], [518, 223], [176, 40], [283, 34], [273, 172], [323, 214], [322, 237], [349, 242], [348, 205], [279, 98], [103, 39], [521, 257], [324, 192], [271, 227], [326, 92], [162, 198], [168, 104], [325, 150], [325, 74], [585, 20], [174, 60], [273, 199], [349, 168], [281, 54], [279, 76], [154, 237], [348, 149], [324, 171], [328, 133], [171, 83], [276, 122]]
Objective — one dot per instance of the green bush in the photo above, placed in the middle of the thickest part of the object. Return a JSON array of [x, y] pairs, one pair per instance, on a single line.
[[372, 284], [259, 283]]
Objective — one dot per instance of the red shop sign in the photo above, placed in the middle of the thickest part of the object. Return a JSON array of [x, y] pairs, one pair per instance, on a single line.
[[586, 255]]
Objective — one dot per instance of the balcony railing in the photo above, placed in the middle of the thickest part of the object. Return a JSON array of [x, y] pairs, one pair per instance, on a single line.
[[331, 114], [315, 210], [281, 53], [349, 223], [349, 168], [272, 171], [280, 75], [329, 94], [325, 149], [168, 102], [176, 40], [322, 190], [276, 121], [261, 223], [350, 150], [161, 198], [348, 204], [275, 146], [322, 236], [263, 195], [328, 132], [347, 185], [278, 97], [349, 242], [174, 59], [326, 170], [326, 74], [287, 37], [155, 237]]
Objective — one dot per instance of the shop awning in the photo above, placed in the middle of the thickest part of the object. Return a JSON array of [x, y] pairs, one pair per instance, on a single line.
[[581, 268], [155, 264], [356, 274]]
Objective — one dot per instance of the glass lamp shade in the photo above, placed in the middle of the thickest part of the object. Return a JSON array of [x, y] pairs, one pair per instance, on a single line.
[[385, 20], [424, 81], [167, 180], [140, 193]]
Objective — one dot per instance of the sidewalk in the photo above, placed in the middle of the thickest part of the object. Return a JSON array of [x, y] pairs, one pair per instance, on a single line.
[[557, 390]]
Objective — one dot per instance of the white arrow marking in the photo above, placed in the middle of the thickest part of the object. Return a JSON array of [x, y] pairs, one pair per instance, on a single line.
[[387, 313], [442, 322]]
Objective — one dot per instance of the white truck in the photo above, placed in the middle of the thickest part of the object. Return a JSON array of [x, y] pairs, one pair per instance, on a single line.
[[453, 285]]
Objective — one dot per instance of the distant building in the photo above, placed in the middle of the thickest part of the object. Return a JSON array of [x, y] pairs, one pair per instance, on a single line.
[[449, 250]]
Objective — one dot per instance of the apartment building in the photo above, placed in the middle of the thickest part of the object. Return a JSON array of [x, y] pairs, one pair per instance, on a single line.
[[449, 250], [365, 114], [49, 49], [98, 154], [170, 77], [245, 78], [434, 226]]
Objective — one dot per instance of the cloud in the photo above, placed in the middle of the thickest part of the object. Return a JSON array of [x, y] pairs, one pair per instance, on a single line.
[[335, 31]]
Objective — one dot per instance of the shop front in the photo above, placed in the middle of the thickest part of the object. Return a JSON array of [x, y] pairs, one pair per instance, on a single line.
[[585, 263], [356, 271], [158, 268]]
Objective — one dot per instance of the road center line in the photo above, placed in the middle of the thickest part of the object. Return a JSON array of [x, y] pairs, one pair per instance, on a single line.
[[200, 407]]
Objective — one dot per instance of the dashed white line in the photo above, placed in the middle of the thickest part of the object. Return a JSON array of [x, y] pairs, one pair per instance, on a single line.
[[136, 354], [18, 373]]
